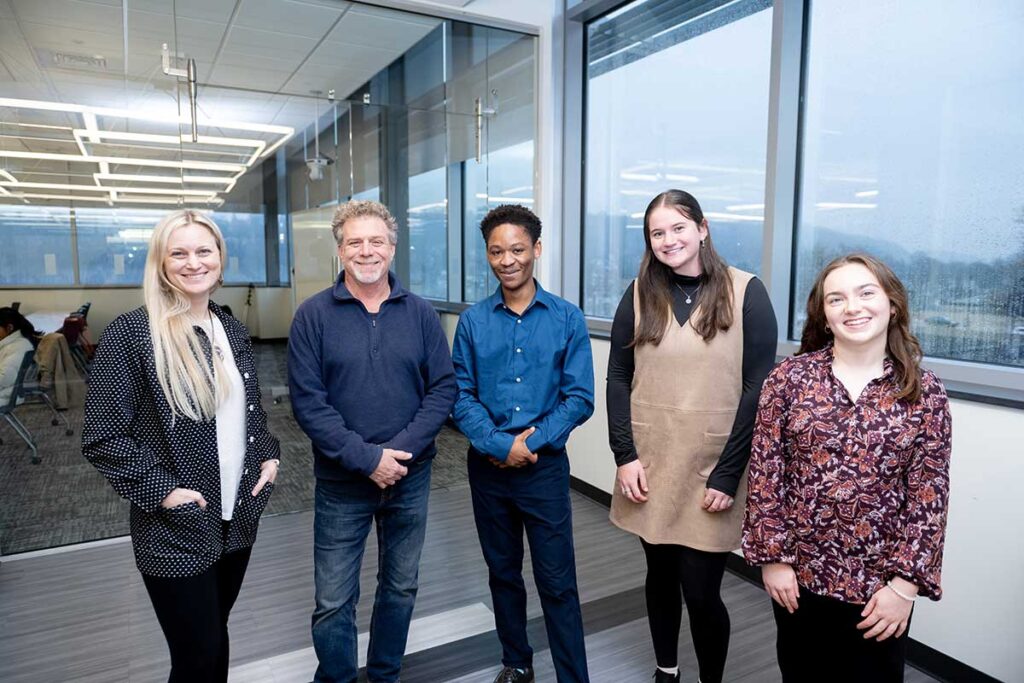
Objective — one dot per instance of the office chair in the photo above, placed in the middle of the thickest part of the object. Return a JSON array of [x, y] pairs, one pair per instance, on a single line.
[[83, 310], [31, 388], [7, 411]]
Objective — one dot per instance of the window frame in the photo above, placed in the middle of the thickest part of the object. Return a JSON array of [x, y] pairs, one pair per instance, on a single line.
[[967, 380]]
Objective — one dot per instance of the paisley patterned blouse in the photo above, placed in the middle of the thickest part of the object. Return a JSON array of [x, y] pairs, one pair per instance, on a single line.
[[850, 494]]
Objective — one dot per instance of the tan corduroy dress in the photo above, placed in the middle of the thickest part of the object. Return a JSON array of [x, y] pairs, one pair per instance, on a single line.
[[683, 402]]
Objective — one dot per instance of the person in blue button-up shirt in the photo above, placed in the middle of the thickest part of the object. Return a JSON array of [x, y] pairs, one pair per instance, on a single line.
[[526, 380]]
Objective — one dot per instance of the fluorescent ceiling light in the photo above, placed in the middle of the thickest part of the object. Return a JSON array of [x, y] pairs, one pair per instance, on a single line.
[[96, 188], [745, 207], [843, 205], [682, 178], [131, 200], [132, 161], [732, 216], [91, 131], [178, 180], [139, 116], [639, 176], [257, 145], [866, 193]]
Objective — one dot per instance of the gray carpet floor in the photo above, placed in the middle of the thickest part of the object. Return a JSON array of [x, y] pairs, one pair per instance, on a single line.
[[64, 500]]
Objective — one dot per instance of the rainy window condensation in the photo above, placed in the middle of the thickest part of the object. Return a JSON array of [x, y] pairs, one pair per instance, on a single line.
[[911, 151]]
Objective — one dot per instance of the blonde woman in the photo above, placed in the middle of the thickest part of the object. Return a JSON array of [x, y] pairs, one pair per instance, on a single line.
[[173, 421]]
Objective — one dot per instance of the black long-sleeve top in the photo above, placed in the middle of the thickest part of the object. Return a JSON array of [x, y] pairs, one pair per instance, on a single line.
[[760, 336]]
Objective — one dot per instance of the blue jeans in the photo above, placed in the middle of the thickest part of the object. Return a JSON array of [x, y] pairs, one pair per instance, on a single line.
[[344, 512], [534, 498]]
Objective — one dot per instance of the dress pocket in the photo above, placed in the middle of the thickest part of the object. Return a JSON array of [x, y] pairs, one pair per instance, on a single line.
[[641, 442], [710, 451]]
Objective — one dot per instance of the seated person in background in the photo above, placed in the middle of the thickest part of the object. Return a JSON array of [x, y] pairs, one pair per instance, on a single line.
[[17, 336]]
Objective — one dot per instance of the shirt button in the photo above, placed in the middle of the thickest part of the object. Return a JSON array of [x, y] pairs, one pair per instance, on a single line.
[[519, 379], [519, 350], [517, 409], [252, 439], [251, 407], [519, 321], [245, 375]]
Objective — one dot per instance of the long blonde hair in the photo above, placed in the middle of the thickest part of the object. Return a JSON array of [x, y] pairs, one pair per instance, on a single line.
[[192, 388]]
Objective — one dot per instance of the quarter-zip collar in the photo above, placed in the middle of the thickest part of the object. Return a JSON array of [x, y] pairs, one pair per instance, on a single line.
[[341, 292]]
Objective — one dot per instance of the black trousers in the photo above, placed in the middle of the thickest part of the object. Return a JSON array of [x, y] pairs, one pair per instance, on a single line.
[[193, 614], [676, 573], [820, 641]]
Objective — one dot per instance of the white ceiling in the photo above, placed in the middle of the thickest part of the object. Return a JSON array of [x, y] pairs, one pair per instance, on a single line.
[[257, 62]]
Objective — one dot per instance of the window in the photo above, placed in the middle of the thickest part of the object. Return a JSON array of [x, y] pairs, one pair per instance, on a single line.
[[37, 247], [504, 177], [428, 230], [911, 151], [676, 97], [112, 244]]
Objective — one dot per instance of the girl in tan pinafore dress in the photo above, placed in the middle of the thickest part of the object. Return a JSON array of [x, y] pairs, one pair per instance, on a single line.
[[692, 341]]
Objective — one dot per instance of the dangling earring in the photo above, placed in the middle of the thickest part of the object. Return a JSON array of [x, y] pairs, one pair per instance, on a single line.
[[828, 330], [702, 244]]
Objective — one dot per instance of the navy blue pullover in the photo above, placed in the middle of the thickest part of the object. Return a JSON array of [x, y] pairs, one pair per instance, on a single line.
[[360, 382]]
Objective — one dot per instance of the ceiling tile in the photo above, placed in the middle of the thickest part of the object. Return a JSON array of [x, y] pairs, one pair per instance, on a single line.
[[289, 17]]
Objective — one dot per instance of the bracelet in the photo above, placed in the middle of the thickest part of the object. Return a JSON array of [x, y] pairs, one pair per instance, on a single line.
[[908, 598]]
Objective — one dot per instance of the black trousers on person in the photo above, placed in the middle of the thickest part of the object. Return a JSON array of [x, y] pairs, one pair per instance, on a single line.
[[820, 641], [676, 573], [193, 614]]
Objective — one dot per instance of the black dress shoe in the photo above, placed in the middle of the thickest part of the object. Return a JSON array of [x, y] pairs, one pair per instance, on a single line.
[[512, 675], [662, 677]]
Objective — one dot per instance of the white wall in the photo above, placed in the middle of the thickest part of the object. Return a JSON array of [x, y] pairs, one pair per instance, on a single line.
[[979, 621]]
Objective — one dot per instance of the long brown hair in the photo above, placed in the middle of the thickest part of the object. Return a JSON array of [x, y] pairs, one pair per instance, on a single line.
[[901, 344], [655, 280]]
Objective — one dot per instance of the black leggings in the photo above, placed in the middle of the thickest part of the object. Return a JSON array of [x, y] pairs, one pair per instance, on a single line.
[[193, 613], [676, 573]]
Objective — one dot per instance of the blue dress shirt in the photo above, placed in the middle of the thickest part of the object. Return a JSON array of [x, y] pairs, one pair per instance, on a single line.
[[520, 371]]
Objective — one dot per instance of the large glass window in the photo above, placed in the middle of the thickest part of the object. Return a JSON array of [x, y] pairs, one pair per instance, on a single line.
[[112, 244], [505, 177], [428, 229], [912, 151], [676, 97], [36, 246]]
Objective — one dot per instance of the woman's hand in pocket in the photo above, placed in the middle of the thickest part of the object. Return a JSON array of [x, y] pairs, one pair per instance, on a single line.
[[182, 496]]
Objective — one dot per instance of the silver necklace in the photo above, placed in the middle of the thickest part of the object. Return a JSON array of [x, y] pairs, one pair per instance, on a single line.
[[689, 297]]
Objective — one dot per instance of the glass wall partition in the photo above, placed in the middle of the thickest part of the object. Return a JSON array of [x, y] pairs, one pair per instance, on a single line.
[[101, 133]]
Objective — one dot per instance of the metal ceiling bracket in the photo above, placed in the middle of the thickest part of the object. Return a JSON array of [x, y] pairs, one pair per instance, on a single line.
[[189, 74]]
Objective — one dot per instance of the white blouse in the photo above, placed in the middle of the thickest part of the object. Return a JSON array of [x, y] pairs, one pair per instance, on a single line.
[[230, 421]]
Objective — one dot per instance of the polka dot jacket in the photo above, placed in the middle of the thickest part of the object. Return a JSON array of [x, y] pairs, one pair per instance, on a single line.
[[130, 437]]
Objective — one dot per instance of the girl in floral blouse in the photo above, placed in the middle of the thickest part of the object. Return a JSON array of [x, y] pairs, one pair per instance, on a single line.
[[849, 481]]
